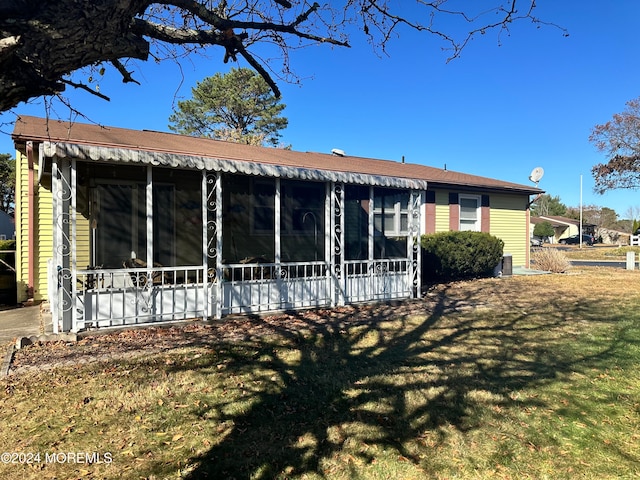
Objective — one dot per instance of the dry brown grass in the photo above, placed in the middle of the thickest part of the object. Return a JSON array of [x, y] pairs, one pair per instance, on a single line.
[[524, 377]]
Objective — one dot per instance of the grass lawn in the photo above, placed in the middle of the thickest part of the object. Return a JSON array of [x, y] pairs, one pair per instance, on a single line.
[[524, 377]]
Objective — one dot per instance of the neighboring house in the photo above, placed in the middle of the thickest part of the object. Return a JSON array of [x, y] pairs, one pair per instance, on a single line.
[[613, 237], [117, 226], [7, 226], [563, 226]]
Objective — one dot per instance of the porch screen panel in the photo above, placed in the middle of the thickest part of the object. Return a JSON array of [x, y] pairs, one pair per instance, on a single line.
[[248, 219], [177, 213], [356, 228], [120, 224], [302, 221], [391, 222]]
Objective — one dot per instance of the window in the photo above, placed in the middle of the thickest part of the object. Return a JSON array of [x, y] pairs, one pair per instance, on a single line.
[[390, 222], [470, 213], [391, 212]]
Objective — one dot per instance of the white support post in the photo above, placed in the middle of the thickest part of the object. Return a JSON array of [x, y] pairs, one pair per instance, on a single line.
[[55, 266], [61, 193], [278, 212], [149, 224], [337, 254], [73, 246], [219, 253], [413, 244], [371, 230], [327, 235], [212, 235], [205, 258]]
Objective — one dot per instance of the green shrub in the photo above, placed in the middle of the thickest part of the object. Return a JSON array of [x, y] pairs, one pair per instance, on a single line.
[[7, 244], [543, 230], [460, 255]]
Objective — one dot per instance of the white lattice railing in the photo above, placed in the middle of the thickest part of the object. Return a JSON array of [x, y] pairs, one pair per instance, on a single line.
[[112, 297], [126, 296], [367, 280], [266, 287]]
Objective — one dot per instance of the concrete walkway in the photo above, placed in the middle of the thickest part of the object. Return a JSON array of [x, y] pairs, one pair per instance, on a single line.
[[22, 322], [19, 322]]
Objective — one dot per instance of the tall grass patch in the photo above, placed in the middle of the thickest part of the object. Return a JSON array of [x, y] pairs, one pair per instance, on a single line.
[[550, 260]]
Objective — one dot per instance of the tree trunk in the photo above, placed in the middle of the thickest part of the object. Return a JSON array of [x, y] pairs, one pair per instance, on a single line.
[[41, 42]]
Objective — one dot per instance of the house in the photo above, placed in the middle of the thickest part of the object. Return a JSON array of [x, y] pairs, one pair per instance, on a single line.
[[7, 226], [608, 236], [564, 227], [116, 226]]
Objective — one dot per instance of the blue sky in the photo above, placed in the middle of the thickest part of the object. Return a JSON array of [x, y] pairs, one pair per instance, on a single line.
[[503, 108]]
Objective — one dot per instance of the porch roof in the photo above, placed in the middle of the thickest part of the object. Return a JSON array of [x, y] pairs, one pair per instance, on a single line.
[[118, 145]]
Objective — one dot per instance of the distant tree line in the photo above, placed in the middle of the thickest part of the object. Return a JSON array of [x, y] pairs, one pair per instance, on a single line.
[[601, 217], [7, 183]]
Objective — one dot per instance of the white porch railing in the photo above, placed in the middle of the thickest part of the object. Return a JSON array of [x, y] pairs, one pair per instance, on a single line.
[[367, 280], [130, 296], [113, 297], [267, 287]]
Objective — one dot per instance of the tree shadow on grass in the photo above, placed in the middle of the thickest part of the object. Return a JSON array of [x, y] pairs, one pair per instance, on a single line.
[[361, 378]]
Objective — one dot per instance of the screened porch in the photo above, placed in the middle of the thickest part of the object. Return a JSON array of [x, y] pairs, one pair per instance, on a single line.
[[138, 243]]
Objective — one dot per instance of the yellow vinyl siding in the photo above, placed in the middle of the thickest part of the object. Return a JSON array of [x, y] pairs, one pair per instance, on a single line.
[[44, 240], [22, 226], [442, 211], [83, 255], [509, 223], [43, 228]]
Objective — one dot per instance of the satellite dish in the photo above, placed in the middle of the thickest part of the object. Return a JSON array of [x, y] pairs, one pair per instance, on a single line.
[[536, 175], [338, 152]]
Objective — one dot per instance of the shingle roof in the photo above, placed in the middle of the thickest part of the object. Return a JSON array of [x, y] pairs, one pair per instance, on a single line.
[[559, 220], [39, 129]]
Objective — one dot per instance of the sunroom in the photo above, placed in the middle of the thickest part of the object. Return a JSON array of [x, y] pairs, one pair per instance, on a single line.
[[144, 236]]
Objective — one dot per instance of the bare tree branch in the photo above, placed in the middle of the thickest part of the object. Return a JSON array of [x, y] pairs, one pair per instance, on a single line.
[[260, 69], [42, 43], [87, 89], [126, 75]]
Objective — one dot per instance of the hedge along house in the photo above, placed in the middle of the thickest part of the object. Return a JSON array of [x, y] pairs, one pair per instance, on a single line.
[[119, 227]]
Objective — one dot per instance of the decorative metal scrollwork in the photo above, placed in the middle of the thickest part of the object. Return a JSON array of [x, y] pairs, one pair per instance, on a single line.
[[212, 204], [414, 233], [63, 224], [212, 210], [64, 278], [337, 229], [212, 251]]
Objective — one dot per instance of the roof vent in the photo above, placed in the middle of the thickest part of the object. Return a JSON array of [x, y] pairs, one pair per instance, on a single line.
[[337, 152]]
